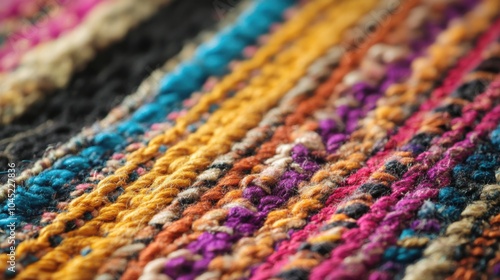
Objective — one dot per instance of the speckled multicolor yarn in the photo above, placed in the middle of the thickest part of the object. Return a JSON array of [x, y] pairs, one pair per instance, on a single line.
[[315, 139]]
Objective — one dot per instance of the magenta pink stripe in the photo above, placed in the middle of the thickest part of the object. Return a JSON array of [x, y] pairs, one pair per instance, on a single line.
[[16, 8], [46, 30], [288, 247], [354, 239]]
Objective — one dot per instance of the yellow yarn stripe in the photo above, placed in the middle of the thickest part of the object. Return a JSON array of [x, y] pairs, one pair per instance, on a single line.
[[97, 199], [263, 93], [89, 202]]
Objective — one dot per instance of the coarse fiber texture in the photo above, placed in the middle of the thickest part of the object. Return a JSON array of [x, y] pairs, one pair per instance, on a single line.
[[250, 139]]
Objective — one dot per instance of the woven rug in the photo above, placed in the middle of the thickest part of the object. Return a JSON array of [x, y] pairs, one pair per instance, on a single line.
[[250, 139]]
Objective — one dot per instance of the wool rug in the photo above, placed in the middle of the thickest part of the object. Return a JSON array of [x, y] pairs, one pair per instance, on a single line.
[[250, 139]]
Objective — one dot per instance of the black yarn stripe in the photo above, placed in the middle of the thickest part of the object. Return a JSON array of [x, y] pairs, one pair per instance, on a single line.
[[107, 79]]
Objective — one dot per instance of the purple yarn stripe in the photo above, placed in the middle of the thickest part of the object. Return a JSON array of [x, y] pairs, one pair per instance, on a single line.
[[356, 237], [438, 176], [400, 70], [245, 222]]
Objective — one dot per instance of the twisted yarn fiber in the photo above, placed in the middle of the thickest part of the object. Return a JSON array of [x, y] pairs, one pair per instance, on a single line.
[[316, 139]]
